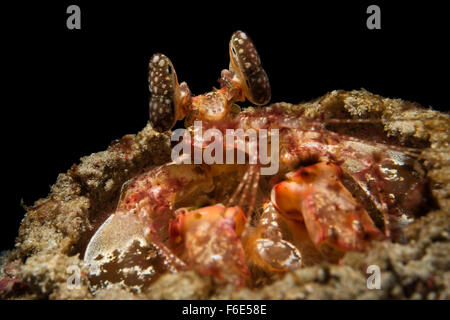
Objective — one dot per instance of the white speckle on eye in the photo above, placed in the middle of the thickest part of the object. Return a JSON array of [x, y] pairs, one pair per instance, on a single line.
[[243, 35], [247, 65], [241, 51], [167, 101], [156, 79], [167, 78], [155, 59], [165, 92], [161, 99], [357, 225], [161, 63]]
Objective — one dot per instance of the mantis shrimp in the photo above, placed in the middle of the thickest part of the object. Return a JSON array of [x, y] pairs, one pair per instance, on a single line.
[[333, 192]]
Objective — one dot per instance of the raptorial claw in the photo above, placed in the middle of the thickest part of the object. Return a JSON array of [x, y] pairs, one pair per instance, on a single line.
[[211, 237], [315, 195], [311, 217], [142, 217]]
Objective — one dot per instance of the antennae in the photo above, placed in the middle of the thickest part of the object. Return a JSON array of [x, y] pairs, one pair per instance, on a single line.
[[246, 64]]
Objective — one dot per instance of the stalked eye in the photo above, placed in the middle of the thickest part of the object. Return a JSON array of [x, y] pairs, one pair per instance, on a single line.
[[162, 114], [163, 86], [246, 63]]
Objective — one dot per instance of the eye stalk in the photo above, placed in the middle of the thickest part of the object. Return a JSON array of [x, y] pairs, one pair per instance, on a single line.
[[246, 65], [164, 89], [171, 101]]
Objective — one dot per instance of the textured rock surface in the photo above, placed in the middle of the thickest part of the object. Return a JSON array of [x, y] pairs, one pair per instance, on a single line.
[[56, 229]]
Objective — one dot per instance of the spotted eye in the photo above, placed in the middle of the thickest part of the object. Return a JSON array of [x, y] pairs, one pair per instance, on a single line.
[[163, 84], [246, 63]]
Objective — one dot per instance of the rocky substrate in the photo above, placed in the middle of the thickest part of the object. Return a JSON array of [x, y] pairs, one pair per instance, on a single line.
[[55, 230]]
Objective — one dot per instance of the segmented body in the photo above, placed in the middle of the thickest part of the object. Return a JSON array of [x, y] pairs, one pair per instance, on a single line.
[[333, 192], [353, 193]]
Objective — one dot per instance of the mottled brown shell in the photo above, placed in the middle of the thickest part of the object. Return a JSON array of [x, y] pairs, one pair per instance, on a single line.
[[246, 63], [163, 84]]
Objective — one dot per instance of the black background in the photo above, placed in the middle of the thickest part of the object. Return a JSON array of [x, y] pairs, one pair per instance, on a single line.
[[280, 309], [69, 93]]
